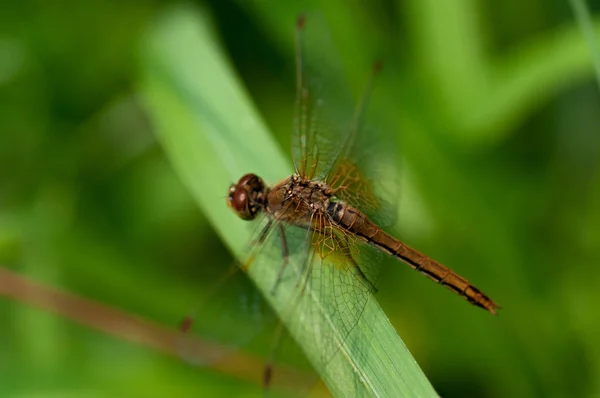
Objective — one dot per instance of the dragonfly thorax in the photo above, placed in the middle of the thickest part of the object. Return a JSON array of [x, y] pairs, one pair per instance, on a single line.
[[296, 200]]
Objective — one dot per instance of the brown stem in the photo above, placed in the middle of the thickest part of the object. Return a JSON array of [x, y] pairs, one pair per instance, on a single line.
[[131, 327]]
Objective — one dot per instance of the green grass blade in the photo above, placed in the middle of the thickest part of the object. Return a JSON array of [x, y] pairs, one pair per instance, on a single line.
[[211, 132], [584, 19]]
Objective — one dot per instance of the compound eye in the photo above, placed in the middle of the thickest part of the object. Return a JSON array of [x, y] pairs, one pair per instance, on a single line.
[[230, 195], [238, 201], [252, 183], [247, 179]]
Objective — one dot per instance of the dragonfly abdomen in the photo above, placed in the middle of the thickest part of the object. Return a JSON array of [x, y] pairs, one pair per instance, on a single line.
[[354, 221]]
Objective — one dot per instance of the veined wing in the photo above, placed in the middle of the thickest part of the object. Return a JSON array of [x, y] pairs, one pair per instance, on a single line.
[[229, 313], [342, 279], [238, 325], [320, 293], [329, 144], [331, 141], [322, 101]]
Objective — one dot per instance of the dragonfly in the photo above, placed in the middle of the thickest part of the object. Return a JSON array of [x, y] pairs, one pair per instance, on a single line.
[[334, 209]]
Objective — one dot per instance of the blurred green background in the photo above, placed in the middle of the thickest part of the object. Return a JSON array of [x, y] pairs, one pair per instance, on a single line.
[[496, 109]]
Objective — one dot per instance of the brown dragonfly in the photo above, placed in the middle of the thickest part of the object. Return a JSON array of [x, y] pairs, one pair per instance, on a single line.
[[334, 208]]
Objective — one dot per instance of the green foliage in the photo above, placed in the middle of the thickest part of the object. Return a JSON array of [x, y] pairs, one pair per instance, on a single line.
[[496, 110]]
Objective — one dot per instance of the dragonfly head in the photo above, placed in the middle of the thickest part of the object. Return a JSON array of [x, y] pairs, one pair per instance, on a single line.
[[247, 197]]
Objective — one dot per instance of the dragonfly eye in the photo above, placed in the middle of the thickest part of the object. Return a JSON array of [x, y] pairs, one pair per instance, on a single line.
[[245, 196], [252, 183], [239, 200]]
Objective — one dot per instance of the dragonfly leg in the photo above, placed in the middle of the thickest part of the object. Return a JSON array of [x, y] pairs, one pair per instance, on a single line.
[[263, 233], [255, 243], [268, 370], [285, 252]]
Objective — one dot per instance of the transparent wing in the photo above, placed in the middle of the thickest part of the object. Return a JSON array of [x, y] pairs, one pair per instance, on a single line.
[[238, 328], [332, 143], [365, 172], [334, 138], [344, 276], [321, 112], [371, 187], [229, 313], [329, 284]]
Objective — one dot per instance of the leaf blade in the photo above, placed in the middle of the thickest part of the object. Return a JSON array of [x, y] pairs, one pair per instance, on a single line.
[[211, 132]]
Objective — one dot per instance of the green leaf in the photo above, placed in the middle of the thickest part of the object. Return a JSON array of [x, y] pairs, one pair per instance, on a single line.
[[584, 19], [212, 133]]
